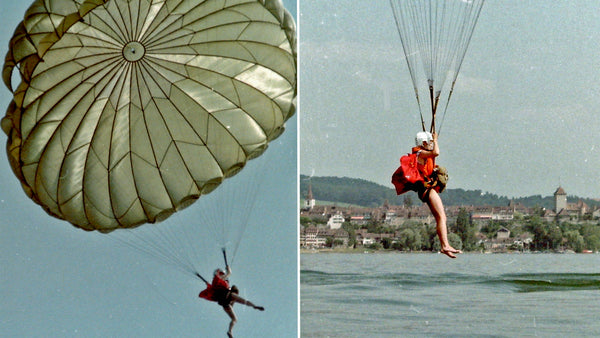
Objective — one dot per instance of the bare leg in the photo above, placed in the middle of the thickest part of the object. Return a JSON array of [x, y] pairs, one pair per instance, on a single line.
[[437, 209], [241, 300], [231, 314]]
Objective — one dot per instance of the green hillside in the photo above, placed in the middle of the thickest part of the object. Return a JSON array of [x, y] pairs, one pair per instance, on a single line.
[[368, 194]]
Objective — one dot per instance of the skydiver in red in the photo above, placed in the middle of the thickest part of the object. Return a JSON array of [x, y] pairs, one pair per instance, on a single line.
[[219, 291], [427, 149]]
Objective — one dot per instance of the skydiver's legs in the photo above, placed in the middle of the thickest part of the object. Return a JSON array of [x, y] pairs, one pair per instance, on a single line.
[[229, 310], [437, 209], [237, 299]]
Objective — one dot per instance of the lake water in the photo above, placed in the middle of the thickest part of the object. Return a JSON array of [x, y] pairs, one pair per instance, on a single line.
[[475, 295]]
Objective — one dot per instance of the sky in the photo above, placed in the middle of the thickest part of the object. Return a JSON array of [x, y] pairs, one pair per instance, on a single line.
[[59, 281], [523, 119]]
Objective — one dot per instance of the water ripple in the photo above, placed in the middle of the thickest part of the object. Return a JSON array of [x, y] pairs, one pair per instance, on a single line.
[[538, 282], [518, 282]]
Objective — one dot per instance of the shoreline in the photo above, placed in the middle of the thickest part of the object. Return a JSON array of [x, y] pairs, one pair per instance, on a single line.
[[383, 251], [363, 250]]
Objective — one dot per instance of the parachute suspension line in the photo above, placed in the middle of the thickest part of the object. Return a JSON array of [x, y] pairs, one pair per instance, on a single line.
[[154, 242], [439, 60], [421, 22], [184, 249], [429, 43], [218, 214], [467, 29], [174, 246], [223, 218], [435, 34], [403, 29], [227, 210], [250, 196], [441, 29]]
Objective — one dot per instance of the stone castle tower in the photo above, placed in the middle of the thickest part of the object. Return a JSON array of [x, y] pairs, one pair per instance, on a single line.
[[560, 200]]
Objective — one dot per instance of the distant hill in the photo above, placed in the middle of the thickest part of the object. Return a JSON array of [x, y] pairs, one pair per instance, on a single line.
[[368, 194]]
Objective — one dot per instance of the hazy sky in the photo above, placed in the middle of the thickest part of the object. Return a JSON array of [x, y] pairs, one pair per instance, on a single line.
[[522, 120], [59, 281]]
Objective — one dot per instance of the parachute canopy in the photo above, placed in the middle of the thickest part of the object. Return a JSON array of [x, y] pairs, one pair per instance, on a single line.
[[435, 35], [129, 110]]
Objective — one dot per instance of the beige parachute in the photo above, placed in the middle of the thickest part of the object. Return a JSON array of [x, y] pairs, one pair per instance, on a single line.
[[129, 110]]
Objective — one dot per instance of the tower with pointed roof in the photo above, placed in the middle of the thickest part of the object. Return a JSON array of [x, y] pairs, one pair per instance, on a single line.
[[560, 200], [309, 203]]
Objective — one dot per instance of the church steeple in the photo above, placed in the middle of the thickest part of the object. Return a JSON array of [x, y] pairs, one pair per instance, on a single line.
[[309, 203]]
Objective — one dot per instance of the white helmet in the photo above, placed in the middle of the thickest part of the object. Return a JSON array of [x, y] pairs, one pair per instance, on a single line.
[[423, 136]]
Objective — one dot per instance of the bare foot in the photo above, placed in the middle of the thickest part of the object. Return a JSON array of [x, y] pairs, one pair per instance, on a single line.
[[450, 252]]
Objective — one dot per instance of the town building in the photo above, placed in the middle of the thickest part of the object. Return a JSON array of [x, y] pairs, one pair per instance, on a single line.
[[332, 218], [336, 220]]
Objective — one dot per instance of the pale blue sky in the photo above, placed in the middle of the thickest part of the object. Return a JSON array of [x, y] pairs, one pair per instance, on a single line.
[[523, 117], [59, 281]]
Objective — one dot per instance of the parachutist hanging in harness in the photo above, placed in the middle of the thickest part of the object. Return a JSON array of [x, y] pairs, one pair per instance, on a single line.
[[219, 291], [435, 35], [418, 172]]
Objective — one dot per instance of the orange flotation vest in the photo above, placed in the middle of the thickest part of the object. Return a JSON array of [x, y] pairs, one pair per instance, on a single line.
[[216, 290], [426, 169], [406, 178]]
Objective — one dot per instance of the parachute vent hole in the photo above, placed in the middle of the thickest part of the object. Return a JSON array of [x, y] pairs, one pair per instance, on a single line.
[[134, 51]]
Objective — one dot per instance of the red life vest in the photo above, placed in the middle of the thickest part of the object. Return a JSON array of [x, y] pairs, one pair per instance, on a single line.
[[426, 169], [218, 286], [410, 175]]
